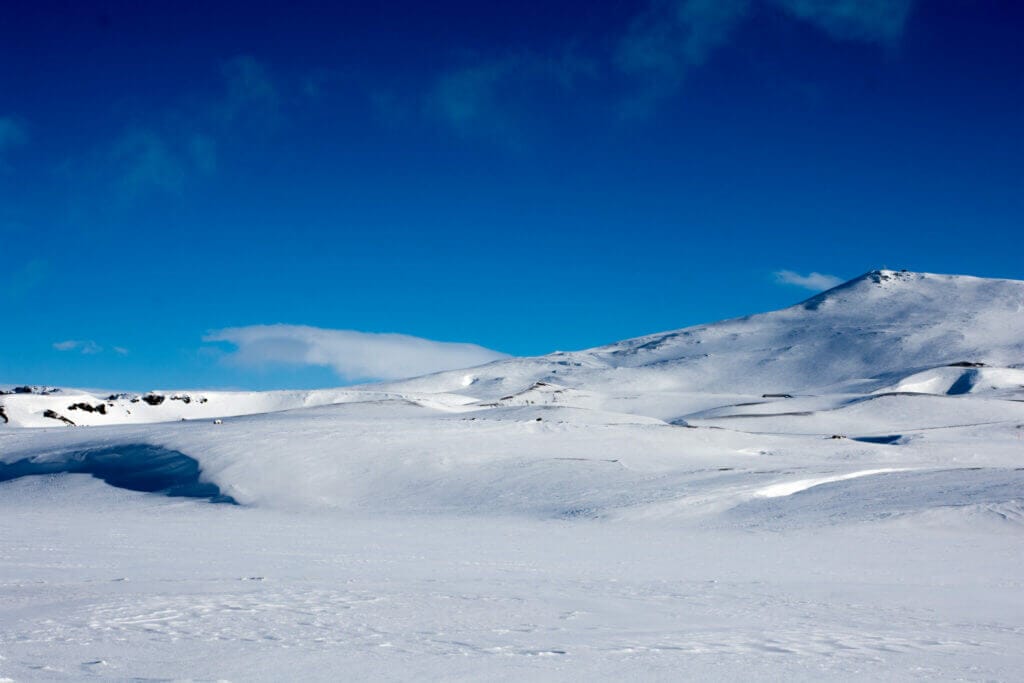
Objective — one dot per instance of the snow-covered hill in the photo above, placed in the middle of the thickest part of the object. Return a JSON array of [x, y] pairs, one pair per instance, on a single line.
[[863, 335], [884, 331], [833, 490]]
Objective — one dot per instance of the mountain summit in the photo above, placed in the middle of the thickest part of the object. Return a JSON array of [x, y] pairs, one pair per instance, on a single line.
[[859, 336]]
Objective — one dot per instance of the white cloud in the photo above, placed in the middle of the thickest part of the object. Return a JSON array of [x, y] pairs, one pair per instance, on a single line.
[[352, 355], [86, 346], [813, 281]]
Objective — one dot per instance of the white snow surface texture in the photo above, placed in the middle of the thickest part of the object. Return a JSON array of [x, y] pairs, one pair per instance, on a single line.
[[833, 490]]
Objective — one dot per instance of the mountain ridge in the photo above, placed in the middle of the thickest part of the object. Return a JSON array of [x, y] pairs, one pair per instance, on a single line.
[[881, 331]]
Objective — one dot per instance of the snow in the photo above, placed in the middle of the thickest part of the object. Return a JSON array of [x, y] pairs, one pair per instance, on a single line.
[[637, 511]]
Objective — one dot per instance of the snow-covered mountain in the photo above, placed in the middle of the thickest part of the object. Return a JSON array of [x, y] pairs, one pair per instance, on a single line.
[[834, 490], [883, 331], [862, 335]]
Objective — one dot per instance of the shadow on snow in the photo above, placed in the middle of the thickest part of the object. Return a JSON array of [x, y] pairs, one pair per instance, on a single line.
[[137, 467]]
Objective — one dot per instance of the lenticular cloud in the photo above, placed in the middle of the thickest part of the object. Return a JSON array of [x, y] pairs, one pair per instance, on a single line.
[[353, 355]]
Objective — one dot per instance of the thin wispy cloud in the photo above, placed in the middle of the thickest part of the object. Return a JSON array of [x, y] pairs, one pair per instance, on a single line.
[[492, 98], [879, 21], [249, 91], [12, 133], [671, 37], [351, 354], [84, 346], [183, 144], [144, 160], [816, 282]]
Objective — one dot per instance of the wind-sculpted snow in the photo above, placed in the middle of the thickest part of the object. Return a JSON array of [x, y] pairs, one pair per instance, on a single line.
[[831, 491], [137, 467]]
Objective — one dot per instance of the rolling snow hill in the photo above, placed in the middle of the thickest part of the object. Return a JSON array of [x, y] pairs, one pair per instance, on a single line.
[[832, 490], [884, 331]]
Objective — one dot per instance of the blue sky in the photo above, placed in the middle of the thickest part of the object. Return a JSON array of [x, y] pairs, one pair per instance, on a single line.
[[201, 196]]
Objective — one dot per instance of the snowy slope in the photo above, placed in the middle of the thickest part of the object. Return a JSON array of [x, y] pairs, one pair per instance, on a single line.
[[884, 331], [833, 490], [859, 336]]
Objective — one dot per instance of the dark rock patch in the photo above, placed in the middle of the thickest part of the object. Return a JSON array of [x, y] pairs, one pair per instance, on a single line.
[[54, 415], [98, 408]]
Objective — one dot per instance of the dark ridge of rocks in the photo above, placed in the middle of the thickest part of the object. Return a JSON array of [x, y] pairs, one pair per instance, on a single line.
[[57, 416], [184, 398], [153, 399], [3, 415], [965, 364], [26, 389], [98, 408]]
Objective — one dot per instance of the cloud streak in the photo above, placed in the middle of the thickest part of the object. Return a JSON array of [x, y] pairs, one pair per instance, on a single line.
[[873, 21], [671, 37], [815, 282], [183, 144], [491, 98], [84, 346], [351, 354]]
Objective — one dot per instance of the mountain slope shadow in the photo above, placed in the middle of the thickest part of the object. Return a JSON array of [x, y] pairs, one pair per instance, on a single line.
[[137, 467]]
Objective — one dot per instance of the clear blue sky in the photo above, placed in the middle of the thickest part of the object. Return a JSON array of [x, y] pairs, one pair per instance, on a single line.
[[522, 176]]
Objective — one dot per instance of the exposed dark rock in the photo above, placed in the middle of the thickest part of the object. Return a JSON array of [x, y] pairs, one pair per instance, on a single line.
[[966, 364], [776, 396], [98, 408], [153, 399], [57, 416], [23, 390], [3, 415], [184, 398]]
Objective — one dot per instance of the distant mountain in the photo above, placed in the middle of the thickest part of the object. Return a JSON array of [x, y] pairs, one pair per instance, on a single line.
[[883, 331], [860, 336]]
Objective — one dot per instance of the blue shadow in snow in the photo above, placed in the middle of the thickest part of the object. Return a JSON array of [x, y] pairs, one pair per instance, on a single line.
[[137, 467]]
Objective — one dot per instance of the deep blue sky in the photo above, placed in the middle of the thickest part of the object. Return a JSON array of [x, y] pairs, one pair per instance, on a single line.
[[523, 176]]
